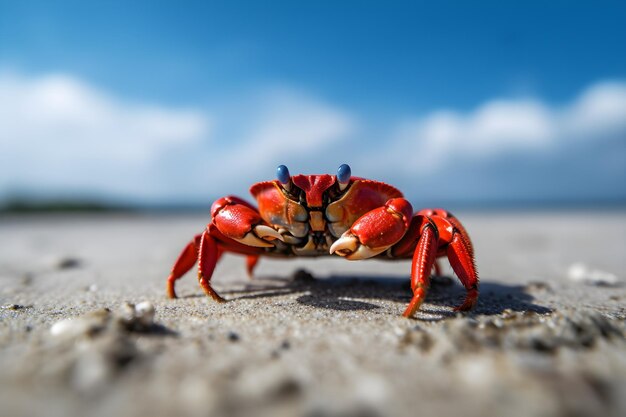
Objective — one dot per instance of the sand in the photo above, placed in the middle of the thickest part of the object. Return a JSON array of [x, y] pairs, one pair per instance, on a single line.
[[310, 337]]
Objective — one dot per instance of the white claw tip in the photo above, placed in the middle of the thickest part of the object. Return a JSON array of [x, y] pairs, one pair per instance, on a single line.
[[344, 246], [261, 236], [352, 249], [265, 231]]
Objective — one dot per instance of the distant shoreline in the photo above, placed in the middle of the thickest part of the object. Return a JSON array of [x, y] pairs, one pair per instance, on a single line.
[[94, 206]]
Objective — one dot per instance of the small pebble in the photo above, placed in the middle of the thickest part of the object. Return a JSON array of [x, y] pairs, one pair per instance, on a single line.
[[579, 272], [67, 263], [538, 286], [139, 317], [233, 337], [145, 313], [285, 345], [81, 326], [13, 307], [127, 313]]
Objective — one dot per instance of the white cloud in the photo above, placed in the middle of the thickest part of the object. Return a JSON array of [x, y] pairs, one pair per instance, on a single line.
[[495, 126], [293, 122], [285, 127], [60, 116], [601, 109], [59, 133], [506, 126]]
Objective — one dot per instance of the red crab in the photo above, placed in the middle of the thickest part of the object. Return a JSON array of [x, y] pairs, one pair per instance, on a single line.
[[315, 215]]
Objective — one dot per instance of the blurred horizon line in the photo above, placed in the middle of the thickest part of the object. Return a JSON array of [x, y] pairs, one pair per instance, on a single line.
[[99, 205]]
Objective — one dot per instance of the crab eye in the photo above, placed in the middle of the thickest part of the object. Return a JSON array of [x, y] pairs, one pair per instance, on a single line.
[[343, 175], [282, 173]]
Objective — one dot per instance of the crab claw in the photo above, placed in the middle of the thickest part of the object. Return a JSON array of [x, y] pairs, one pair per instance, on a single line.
[[349, 246], [240, 221], [375, 231], [259, 236]]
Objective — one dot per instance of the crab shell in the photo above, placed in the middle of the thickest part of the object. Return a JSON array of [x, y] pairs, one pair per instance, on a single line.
[[313, 211]]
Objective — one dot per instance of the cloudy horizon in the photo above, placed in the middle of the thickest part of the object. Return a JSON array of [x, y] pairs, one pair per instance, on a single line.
[[93, 143], [184, 116]]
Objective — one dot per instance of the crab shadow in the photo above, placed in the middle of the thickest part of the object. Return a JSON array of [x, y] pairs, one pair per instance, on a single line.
[[345, 292]]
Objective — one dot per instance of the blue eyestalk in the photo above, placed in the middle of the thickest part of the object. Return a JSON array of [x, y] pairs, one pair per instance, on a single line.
[[343, 174], [282, 173]]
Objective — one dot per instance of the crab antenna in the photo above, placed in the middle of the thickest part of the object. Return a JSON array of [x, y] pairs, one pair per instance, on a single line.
[[282, 174], [343, 176]]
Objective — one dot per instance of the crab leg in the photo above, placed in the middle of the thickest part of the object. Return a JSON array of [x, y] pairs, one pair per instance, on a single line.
[[186, 260], [460, 255], [451, 241], [251, 262], [423, 260], [236, 227], [454, 222], [208, 256]]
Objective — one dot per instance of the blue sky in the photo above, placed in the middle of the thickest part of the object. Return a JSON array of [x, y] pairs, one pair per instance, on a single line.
[[452, 101]]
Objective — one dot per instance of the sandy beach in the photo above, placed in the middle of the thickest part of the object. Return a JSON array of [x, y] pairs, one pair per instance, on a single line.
[[310, 337]]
